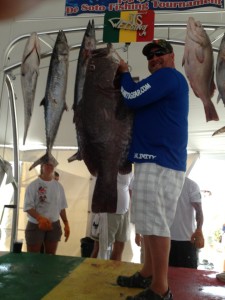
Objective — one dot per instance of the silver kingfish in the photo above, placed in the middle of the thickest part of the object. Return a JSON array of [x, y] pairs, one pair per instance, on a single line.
[[88, 44], [55, 94]]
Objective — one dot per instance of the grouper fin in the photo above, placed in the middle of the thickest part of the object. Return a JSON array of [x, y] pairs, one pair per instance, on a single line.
[[210, 111], [42, 102], [105, 195], [219, 131], [47, 158], [76, 156], [126, 168], [92, 168]]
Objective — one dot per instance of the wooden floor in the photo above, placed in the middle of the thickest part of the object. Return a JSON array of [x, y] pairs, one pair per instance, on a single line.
[[27, 276]]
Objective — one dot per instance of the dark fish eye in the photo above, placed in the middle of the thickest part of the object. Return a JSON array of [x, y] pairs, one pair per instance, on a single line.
[[92, 67]]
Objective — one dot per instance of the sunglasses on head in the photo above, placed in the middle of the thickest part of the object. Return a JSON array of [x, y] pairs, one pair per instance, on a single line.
[[157, 53]]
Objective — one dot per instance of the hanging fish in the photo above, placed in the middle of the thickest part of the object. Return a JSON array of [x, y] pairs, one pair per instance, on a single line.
[[104, 125], [88, 44], [29, 75], [220, 78], [199, 67], [55, 94], [220, 71]]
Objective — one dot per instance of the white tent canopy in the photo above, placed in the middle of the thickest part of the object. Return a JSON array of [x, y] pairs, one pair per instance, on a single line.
[[47, 21]]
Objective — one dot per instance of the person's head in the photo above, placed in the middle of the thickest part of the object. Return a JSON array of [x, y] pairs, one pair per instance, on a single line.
[[56, 176], [159, 54], [47, 166], [47, 169]]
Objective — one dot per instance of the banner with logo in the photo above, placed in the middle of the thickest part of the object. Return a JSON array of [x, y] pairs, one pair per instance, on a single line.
[[75, 7], [128, 26]]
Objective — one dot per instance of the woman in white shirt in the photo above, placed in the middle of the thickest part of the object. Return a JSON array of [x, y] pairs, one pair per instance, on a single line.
[[45, 203]]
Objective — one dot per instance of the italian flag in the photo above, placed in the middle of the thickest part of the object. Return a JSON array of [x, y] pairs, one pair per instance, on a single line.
[[115, 22]]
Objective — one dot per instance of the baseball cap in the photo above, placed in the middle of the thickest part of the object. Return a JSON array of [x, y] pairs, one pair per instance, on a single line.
[[160, 44]]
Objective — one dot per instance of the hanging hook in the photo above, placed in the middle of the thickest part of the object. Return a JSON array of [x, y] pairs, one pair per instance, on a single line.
[[125, 48], [120, 58]]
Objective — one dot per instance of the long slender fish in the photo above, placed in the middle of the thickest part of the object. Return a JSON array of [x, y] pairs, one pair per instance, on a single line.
[[29, 75], [55, 94], [104, 126], [88, 44], [199, 67]]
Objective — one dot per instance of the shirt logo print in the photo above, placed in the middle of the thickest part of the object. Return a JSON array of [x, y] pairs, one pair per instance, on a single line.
[[42, 191]]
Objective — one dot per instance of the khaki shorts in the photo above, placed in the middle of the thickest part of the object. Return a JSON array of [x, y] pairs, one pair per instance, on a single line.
[[118, 228], [34, 235], [154, 198]]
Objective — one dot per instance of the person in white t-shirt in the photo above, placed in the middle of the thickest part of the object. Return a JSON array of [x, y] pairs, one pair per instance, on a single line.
[[118, 224], [186, 230], [45, 203]]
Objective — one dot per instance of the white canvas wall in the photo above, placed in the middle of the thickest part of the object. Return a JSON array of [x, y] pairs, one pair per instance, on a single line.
[[75, 178], [78, 185]]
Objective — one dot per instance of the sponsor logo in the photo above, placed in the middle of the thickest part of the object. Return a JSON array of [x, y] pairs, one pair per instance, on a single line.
[[134, 22], [135, 93], [144, 156]]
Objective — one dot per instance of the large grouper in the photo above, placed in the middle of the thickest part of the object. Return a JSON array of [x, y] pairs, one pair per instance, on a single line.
[[104, 127]]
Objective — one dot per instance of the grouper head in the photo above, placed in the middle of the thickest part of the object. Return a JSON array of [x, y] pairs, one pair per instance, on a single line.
[[103, 66]]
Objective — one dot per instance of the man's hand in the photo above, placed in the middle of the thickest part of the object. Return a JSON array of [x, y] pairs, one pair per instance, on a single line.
[[66, 230], [44, 223], [138, 239], [123, 66], [197, 239]]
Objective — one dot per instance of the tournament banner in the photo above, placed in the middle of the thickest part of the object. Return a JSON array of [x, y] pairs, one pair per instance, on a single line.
[[75, 7], [128, 26]]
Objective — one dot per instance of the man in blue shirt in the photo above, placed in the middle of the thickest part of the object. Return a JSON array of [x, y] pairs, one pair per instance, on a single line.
[[158, 150]]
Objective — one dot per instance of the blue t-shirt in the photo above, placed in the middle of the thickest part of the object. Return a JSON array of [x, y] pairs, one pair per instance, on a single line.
[[160, 130]]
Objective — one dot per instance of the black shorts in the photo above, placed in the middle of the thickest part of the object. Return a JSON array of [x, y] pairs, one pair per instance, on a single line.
[[183, 254], [34, 235]]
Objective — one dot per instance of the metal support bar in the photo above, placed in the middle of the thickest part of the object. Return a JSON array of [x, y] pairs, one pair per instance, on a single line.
[[11, 94]]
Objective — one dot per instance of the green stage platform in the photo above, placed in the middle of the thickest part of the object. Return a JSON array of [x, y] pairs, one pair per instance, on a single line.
[[27, 276], [30, 276]]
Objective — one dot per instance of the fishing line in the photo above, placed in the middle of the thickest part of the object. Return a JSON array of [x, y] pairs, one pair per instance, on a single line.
[[120, 58], [126, 49]]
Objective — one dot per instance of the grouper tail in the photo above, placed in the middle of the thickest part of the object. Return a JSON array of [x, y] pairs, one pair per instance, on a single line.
[[104, 198]]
